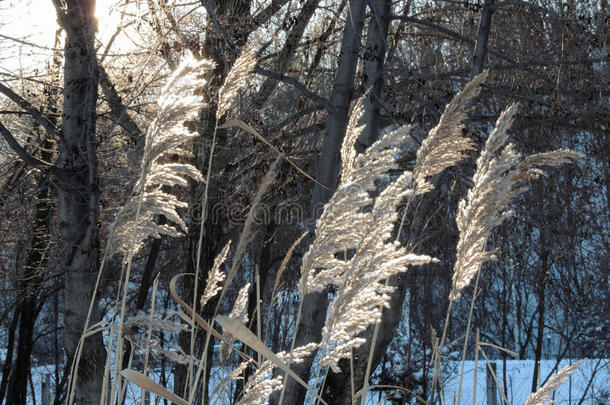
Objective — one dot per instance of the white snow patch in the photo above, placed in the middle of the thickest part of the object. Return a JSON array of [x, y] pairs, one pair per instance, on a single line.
[[519, 382]]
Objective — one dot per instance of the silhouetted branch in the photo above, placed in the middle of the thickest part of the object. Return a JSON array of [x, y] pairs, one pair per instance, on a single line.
[[31, 160], [30, 109]]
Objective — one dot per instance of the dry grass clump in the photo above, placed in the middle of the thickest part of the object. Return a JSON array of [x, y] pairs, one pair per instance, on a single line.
[[354, 221], [355, 249]]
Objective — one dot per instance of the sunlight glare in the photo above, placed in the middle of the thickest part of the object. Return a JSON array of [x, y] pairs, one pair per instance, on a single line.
[[34, 22], [108, 14]]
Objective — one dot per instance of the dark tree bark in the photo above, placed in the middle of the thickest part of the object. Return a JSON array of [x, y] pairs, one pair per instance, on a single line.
[[31, 281], [540, 289], [373, 69], [78, 203], [338, 385], [480, 48], [32, 278], [8, 360], [343, 88], [314, 305]]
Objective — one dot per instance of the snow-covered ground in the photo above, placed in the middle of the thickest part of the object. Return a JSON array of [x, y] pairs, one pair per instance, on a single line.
[[519, 382]]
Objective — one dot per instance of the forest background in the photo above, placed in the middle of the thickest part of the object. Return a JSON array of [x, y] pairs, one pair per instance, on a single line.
[[79, 89]]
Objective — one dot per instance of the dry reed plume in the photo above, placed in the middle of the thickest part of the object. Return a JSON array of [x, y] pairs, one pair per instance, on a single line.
[[499, 178], [541, 397], [355, 248], [445, 146], [215, 277], [166, 139], [347, 225], [151, 198], [235, 80]]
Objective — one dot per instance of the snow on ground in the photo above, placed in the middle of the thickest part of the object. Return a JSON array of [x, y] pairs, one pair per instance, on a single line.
[[519, 382]]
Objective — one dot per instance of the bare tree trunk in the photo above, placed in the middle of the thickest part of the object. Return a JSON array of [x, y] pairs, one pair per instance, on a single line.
[[30, 284], [338, 386], [32, 278], [505, 312], [540, 293], [78, 203], [314, 305], [480, 49], [46, 390], [8, 360], [490, 383], [343, 88], [234, 14], [372, 77]]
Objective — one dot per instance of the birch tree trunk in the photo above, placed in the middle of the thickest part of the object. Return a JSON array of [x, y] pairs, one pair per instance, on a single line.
[[78, 202]]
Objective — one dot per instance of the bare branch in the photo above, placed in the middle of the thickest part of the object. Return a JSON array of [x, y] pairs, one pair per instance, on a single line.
[[30, 109], [435, 26], [272, 129], [264, 15], [300, 87], [24, 42], [62, 15], [31, 160], [118, 108], [290, 45], [267, 73], [562, 89]]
